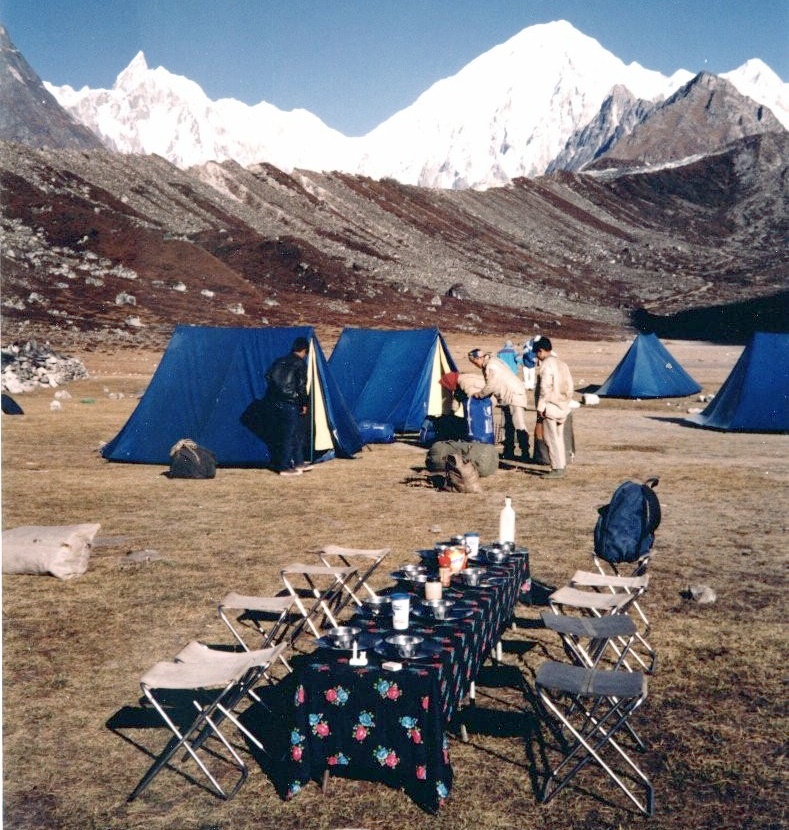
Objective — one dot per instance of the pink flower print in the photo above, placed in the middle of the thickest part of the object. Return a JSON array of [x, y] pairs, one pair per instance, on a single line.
[[416, 736], [299, 695], [322, 729], [393, 693], [295, 753], [360, 732], [421, 772], [392, 760], [425, 702], [331, 695]]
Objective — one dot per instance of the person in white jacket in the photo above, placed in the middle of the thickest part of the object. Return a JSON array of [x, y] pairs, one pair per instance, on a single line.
[[554, 394], [507, 387]]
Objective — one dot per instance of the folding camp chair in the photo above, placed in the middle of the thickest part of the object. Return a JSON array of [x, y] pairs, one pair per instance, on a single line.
[[333, 555], [593, 705], [217, 681], [639, 568], [587, 640], [598, 604], [317, 590], [268, 616]]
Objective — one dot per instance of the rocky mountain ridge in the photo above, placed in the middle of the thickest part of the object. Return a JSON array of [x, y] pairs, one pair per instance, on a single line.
[[117, 249]]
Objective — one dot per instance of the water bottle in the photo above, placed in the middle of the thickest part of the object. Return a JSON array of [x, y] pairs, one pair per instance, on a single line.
[[507, 522]]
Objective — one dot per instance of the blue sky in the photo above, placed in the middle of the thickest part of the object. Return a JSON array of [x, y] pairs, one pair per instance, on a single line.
[[356, 62]]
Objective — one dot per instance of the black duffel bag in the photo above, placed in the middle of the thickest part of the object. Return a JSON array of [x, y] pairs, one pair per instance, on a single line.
[[190, 460]]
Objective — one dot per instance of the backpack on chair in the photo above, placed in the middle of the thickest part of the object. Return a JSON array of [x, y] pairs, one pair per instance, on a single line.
[[626, 526]]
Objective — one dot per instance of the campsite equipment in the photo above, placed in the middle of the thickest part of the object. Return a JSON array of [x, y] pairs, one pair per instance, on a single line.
[[10, 406], [648, 370], [485, 457], [479, 420], [61, 550], [392, 376], [367, 561], [591, 707], [207, 378], [218, 681], [625, 528], [432, 590], [190, 460], [755, 395], [507, 521]]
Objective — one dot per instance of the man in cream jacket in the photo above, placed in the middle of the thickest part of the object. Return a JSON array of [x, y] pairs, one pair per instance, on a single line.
[[554, 394], [507, 387]]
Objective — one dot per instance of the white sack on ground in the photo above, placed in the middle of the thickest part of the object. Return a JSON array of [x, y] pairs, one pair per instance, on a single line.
[[62, 551]]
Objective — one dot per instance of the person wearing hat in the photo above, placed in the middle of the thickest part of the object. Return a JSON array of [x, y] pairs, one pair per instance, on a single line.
[[288, 403], [554, 394], [504, 384]]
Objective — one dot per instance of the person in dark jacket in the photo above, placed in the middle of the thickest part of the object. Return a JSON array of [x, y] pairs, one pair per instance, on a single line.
[[288, 403]]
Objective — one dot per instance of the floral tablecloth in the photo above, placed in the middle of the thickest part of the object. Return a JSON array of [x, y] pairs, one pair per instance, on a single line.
[[375, 724]]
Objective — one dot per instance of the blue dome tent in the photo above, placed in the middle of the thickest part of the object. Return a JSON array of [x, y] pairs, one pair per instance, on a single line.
[[648, 370], [755, 395]]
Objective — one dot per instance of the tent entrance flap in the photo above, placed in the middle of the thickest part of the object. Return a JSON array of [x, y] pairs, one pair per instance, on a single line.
[[441, 365], [322, 437]]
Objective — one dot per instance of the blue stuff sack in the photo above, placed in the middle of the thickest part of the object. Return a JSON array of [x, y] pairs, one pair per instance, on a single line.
[[376, 433], [625, 528]]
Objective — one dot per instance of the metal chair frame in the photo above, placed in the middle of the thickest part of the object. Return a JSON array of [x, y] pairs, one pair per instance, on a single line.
[[334, 555], [601, 703], [228, 677], [274, 611]]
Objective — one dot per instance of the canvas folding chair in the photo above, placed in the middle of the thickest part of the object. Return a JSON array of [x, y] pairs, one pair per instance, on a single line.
[[591, 706], [333, 555], [269, 617], [607, 570], [317, 591], [598, 604], [587, 640], [217, 682]]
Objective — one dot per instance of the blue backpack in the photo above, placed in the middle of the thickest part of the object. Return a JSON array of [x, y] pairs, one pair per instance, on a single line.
[[625, 528]]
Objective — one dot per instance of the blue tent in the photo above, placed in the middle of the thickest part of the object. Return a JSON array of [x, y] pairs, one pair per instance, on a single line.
[[648, 371], [390, 376], [207, 378], [755, 395]]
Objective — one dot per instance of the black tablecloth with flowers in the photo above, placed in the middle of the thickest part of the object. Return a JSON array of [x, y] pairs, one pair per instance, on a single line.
[[375, 724]]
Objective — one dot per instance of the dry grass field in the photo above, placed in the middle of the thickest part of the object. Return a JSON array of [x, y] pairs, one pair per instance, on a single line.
[[73, 651]]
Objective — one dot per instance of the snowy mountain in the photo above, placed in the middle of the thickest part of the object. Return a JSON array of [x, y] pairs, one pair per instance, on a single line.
[[508, 113], [153, 111]]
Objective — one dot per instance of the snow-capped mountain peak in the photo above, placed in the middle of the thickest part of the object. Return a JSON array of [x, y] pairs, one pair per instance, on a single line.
[[508, 113]]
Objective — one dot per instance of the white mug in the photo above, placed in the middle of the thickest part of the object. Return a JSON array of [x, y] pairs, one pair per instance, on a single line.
[[472, 543], [432, 590], [401, 606]]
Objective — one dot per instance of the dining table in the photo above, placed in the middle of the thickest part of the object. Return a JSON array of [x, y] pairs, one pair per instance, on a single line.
[[391, 720]]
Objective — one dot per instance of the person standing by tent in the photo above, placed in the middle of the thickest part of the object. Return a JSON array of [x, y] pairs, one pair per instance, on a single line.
[[502, 382], [529, 360], [510, 356], [288, 403], [554, 394]]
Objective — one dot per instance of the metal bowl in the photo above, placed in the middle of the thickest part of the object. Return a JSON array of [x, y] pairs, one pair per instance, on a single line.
[[410, 575], [472, 576], [497, 555], [439, 608], [412, 570], [405, 644], [378, 605], [343, 636]]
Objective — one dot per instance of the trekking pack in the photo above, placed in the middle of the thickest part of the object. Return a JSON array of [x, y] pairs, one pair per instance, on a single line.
[[190, 460], [626, 526]]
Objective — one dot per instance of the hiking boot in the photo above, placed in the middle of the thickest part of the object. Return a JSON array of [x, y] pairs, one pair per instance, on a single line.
[[556, 473], [291, 472]]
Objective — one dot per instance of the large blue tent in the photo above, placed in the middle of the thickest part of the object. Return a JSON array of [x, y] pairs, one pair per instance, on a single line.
[[207, 378], [755, 395], [648, 371], [391, 376]]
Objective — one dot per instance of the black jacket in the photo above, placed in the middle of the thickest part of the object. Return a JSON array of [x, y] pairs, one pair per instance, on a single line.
[[287, 380]]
